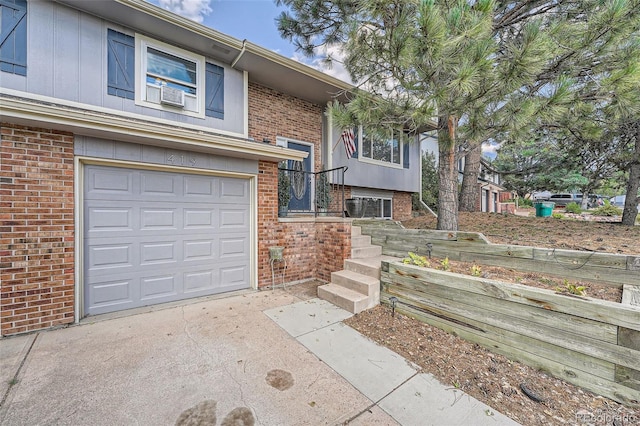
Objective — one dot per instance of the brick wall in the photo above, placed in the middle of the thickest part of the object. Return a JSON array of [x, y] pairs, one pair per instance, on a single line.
[[313, 249], [36, 229], [401, 205]]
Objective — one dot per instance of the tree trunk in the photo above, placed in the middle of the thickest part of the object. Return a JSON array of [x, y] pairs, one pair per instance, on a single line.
[[448, 174], [469, 193], [630, 211]]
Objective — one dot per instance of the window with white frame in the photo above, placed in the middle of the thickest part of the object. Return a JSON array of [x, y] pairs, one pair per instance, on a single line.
[[382, 145], [169, 78]]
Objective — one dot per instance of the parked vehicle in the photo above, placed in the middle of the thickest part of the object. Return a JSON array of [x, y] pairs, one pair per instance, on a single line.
[[562, 200]]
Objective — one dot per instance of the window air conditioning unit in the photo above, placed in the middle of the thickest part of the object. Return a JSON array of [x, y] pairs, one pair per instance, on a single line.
[[172, 96]]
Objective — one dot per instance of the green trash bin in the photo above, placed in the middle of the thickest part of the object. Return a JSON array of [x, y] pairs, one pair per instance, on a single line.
[[544, 209]]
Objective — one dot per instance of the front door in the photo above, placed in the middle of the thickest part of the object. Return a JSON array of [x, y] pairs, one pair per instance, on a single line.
[[300, 181]]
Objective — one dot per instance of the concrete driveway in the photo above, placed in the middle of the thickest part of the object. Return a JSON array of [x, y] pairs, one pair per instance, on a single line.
[[223, 360]]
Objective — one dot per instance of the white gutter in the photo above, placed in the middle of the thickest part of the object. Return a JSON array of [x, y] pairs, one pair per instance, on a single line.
[[116, 125]]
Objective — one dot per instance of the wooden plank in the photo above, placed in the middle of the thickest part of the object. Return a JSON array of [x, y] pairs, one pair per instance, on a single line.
[[572, 360], [533, 315], [518, 327], [600, 310], [585, 380], [606, 268], [631, 295], [629, 377]]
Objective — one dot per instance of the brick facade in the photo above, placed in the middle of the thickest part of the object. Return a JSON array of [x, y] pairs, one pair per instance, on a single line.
[[36, 229], [401, 205], [311, 250]]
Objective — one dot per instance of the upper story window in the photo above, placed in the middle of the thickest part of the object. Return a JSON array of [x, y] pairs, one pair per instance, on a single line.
[[389, 146], [169, 78], [13, 36], [160, 76]]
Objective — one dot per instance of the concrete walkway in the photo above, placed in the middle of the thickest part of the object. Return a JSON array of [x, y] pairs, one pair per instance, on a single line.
[[387, 379], [221, 361]]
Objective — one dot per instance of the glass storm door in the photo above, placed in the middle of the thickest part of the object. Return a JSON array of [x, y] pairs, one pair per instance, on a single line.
[[300, 181]]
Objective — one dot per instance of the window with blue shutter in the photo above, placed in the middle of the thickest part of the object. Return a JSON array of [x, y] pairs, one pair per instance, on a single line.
[[214, 87], [13, 36], [120, 64]]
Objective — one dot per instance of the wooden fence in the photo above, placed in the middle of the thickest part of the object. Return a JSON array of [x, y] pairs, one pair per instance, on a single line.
[[592, 343]]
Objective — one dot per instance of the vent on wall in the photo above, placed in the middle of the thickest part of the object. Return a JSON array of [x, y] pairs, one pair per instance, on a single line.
[[172, 96]]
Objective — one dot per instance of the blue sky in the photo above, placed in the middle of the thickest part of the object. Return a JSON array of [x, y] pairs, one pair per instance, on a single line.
[[254, 20]]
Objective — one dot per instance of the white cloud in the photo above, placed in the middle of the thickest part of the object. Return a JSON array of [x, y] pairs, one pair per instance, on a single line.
[[335, 69], [195, 10], [490, 149]]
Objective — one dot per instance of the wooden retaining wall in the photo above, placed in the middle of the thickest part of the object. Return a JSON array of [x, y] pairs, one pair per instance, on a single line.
[[604, 268], [591, 343]]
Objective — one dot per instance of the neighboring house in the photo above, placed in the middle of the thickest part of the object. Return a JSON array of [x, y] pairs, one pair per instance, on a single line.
[[139, 161], [490, 192]]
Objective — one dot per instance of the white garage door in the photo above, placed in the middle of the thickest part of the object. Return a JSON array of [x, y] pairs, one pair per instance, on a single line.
[[153, 237]]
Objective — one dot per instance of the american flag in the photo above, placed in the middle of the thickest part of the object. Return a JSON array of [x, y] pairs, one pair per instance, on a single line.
[[349, 143]]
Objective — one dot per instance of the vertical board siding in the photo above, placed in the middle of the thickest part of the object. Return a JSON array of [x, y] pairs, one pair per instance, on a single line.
[[67, 58]]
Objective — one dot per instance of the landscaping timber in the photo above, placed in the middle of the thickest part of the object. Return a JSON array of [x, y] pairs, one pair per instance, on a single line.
[[592, 343]]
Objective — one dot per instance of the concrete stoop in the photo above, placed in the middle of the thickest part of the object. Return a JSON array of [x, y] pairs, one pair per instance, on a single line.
[[357, 287]]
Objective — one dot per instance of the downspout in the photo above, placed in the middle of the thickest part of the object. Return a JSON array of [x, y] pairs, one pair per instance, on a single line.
[[244, 48]]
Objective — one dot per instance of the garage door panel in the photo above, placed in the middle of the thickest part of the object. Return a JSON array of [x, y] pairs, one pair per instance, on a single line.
[[106, 181], [156, 237], [195, 250], [234, 219], [107, 219], [110, 256], [200, 186], [233, 247], [158, 184], [232, 276], [202, 218], [234, 192], [202, 280], [156, 219], [158, 253], [111, 293], [158, 286]]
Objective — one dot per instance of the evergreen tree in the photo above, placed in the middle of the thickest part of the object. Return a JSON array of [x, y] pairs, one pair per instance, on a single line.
[[479, 67]]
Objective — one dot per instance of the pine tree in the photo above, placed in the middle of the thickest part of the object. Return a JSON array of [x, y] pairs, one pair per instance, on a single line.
[[478, 67]]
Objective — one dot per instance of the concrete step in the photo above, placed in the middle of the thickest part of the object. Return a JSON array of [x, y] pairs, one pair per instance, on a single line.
[[355, 281], [360, 241], [369, 266], [356, 231], [362, 252], [349, 300]]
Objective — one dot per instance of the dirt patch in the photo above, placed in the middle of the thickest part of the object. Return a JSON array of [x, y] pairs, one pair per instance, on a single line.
[[548, 232]]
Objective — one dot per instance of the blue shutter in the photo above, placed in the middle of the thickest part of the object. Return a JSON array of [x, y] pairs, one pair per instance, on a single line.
[[214, 88], [405, 155], [121, 52], [13, 36]]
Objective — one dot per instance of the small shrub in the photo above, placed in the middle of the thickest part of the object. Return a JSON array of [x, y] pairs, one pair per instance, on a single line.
[[573, 207], [445, 264], [524, 202], [578, 290], [476, 270], [416, 259], [557, 215], [607, 210]]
